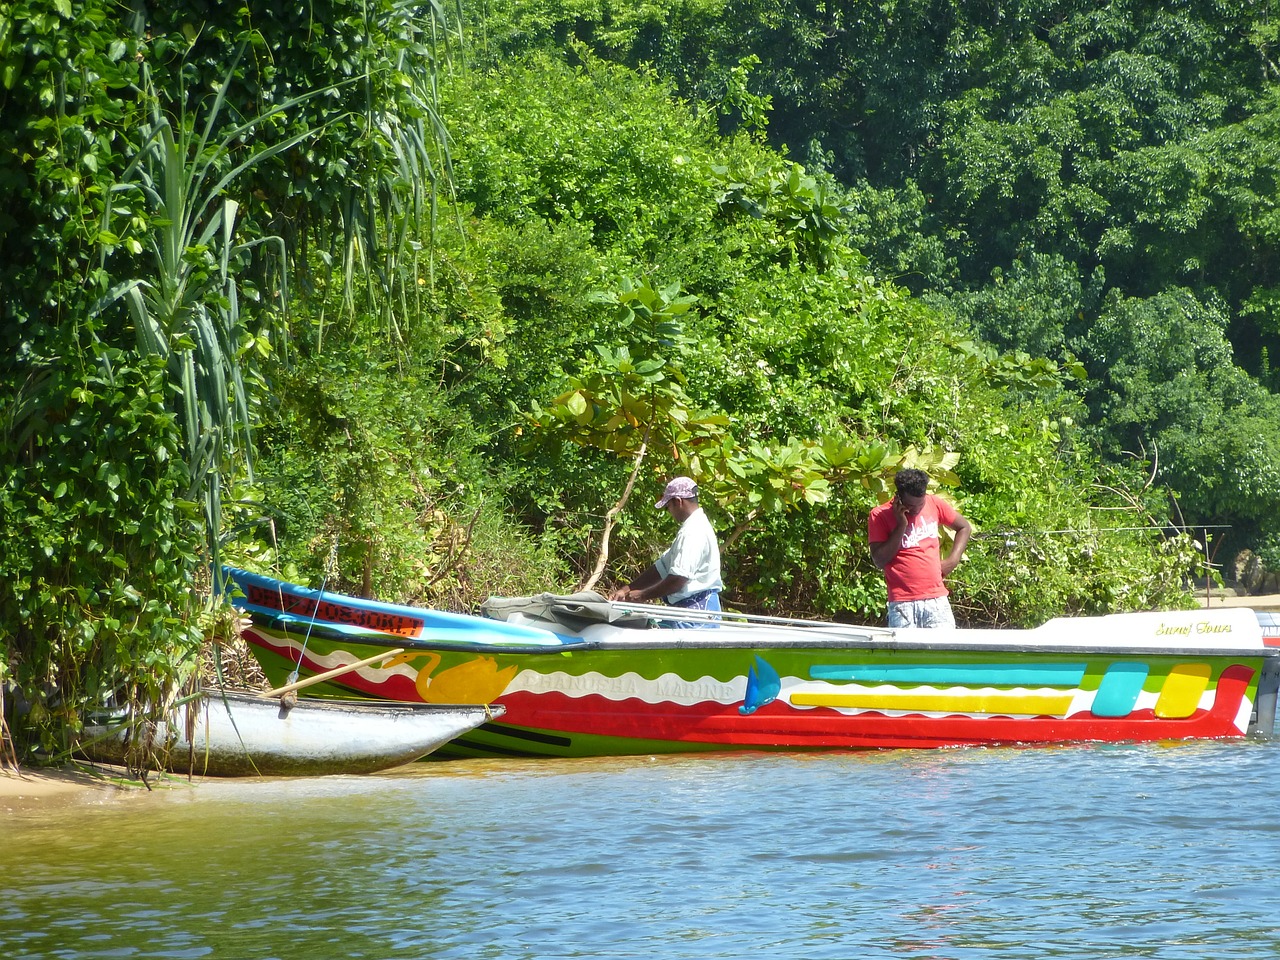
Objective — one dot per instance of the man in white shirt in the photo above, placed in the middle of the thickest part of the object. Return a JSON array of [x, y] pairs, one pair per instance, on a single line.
[[688, 573]]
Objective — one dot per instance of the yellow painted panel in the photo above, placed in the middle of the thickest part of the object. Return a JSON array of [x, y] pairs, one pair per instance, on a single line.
[[996, 703], [1183, 687]]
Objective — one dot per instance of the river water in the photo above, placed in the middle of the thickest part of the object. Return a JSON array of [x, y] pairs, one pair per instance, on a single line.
[[1090, 852]]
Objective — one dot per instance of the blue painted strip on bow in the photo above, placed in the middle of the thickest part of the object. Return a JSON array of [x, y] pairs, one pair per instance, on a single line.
[[958, 674]]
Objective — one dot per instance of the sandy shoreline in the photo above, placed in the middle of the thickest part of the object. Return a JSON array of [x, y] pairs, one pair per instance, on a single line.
[[49, 787]]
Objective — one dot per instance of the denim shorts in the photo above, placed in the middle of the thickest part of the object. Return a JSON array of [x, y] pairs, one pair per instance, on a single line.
[[921, 613]]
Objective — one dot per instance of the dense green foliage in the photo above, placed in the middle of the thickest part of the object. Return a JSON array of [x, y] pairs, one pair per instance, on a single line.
[[99, 561], [1043, 168], [818, 370], [237, 223], [142, 166]]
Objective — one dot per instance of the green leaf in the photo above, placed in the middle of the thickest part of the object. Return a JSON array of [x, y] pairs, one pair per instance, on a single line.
[[576, 404]]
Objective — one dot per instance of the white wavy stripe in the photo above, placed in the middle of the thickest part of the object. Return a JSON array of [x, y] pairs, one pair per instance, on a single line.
[[340, 658], [1243, 714], [668, 688]]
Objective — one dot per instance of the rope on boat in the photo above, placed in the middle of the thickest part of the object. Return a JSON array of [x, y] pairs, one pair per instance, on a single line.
[[662, 611], [330, 565]]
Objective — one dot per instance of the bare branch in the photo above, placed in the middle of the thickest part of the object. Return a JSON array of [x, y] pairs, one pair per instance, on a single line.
[[611, 517]]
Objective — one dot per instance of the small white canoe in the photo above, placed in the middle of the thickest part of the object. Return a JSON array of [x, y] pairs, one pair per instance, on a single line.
[[232, 734]]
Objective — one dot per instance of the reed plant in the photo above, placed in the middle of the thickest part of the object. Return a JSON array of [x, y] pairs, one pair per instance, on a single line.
[[171, 211], [389, 216]]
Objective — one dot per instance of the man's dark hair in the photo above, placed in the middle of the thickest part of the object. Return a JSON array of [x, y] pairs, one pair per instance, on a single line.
[[912, 482]]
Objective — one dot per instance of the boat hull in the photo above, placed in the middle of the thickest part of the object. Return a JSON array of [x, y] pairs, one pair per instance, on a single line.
[[575, 685], [646, 697], [234, 734]]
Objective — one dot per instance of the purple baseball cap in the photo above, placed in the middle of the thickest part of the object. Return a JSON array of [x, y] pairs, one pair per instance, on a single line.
[[681, 488]]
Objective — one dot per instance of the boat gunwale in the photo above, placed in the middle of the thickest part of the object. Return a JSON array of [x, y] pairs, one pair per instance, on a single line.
[[726, 631], [643, 641], [363, 705], [195, 740]]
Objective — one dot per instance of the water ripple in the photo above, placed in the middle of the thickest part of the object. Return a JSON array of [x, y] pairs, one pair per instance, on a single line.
[[1085, 852]]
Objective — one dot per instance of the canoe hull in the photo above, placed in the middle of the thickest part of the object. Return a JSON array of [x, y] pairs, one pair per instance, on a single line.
[[233, 734]]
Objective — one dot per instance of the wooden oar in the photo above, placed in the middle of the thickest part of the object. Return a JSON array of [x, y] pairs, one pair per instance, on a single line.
[[329, 674]]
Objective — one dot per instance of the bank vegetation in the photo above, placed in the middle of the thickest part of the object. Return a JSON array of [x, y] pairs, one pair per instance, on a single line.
[[404, 299]]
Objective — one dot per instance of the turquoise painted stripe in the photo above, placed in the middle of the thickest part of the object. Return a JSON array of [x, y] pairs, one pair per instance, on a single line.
[[959, 674], [1118, 692]]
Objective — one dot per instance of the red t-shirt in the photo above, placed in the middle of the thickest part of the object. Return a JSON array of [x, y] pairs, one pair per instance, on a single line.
[[915, 573]]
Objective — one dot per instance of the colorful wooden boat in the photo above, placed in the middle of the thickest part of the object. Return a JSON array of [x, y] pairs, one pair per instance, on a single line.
[[226, 733], [580, 676]]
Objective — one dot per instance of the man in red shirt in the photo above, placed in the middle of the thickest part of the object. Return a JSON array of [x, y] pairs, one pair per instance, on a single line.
[[903, 535]]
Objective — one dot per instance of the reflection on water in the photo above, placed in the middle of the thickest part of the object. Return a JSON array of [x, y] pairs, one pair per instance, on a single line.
[[1083, 852]]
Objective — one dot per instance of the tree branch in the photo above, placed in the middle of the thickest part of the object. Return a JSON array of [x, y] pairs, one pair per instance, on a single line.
[[611, 517]]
